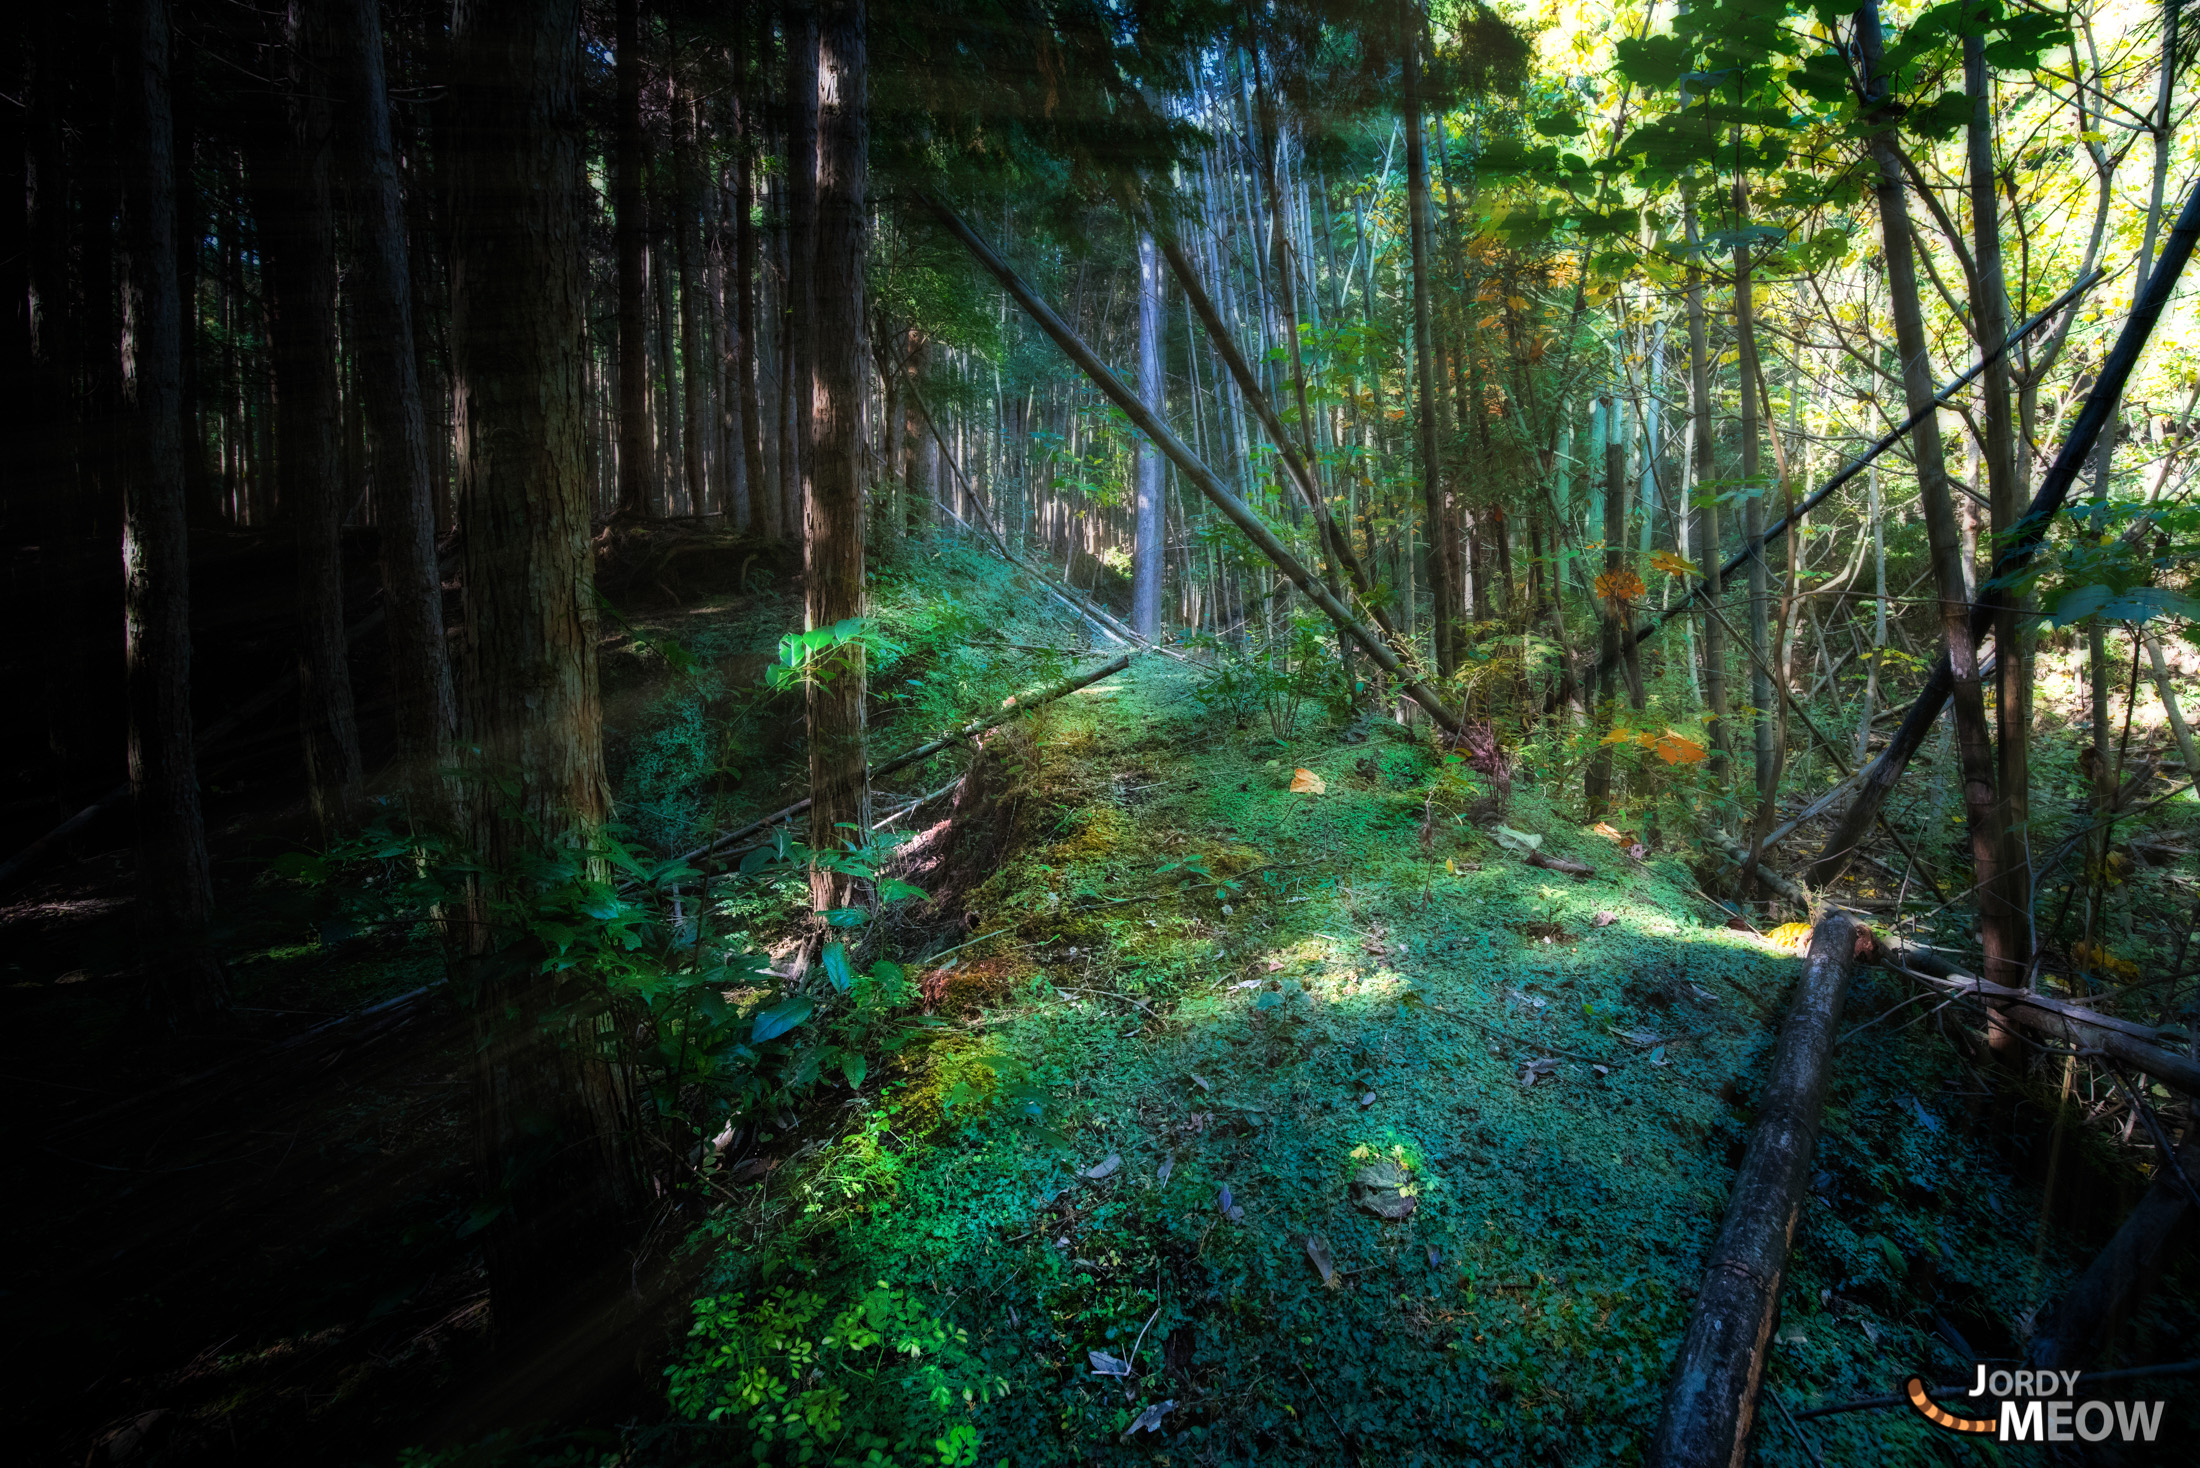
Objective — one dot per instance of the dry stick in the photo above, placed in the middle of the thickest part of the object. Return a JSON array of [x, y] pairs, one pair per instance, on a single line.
[[1712, 1396], [1857, 465], [2120, 1276], [1017, 704], [2012, 559], [1189, 465]]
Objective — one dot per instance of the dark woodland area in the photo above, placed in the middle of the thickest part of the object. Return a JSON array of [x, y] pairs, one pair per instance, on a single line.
[[1042, 732]]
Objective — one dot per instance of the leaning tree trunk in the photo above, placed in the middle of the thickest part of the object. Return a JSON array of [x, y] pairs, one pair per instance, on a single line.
[[397, 432], [832, 541], [551, 1112], [175, 888], [1146, 560], [292, 175]]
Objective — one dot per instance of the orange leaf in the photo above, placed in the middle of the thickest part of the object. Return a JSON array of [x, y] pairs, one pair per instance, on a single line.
[[1678, 749], [1306, 782], [1622, 585]]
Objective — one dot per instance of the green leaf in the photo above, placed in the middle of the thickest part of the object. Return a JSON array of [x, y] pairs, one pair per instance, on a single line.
[[892, 889], [1896, 1264], [781, 1017], [854, 1067], [301, 866], [836, 967], [846, 917]]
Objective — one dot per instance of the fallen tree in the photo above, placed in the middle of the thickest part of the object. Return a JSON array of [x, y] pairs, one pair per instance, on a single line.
[[1711, 1398], [2136, 1045], [1011, 707], [1196, 471]]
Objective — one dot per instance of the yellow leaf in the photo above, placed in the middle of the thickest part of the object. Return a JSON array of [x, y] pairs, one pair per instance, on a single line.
[[1673, 565], [1604, 829], [1306, 782], [1619, 736], [1789, 935]]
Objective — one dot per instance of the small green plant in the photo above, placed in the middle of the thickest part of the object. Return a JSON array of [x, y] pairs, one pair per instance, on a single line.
[[803, 1377]]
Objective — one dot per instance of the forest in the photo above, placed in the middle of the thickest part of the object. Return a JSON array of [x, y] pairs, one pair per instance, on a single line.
[[1039, 732]]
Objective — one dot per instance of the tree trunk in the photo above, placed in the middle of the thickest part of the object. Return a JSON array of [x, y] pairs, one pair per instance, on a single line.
[[1443, 550], [397, 433], [1999, 920], [1709, 549], [298, 233], [175, 888], [637, 457], [832, 539], [1146, 559], [551, 1112], [800, 306], [695, 374], [1605, 697], [759, 520], [1765, 724]]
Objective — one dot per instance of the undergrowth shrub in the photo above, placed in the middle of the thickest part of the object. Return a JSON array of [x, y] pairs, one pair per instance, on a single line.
[[847, 1378]]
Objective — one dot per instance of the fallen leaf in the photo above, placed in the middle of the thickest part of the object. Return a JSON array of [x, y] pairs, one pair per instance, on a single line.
[[1228, 1206], [1606, 919], [1435, 1257], [1150, 1419], [1602, 1070], [1161, 1173], [1367, 1100], [1100, 1171], [1274, 965], [1104, 1364], [1792, 1335], [1605, 829], [1306, 782], [1534, 1069], [1384, 1189], [1638, 851], [1317, 1251], [1791, 936], [1201, 1081], [1657, 1056]]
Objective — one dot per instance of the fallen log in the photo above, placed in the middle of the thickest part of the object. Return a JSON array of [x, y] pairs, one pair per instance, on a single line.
[[2136, 1045], [1737, 853], [1711, 1399], [1012, 706], [2118, 1280]]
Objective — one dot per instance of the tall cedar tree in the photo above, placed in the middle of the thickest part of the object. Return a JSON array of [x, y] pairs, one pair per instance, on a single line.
[[380, 283], [175, 888], [832, 544], [637, 457], [550, 1109]]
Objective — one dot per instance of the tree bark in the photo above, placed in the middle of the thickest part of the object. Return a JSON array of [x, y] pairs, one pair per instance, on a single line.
[[397, 433], [551, 1111], [637, 457], [832, 541], [175, 887]]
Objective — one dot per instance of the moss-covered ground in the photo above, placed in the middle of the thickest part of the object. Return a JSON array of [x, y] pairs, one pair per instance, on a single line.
[[1203, 1004]]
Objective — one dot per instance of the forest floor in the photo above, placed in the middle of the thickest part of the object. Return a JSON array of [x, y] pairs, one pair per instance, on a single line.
[[1306, 1127]]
